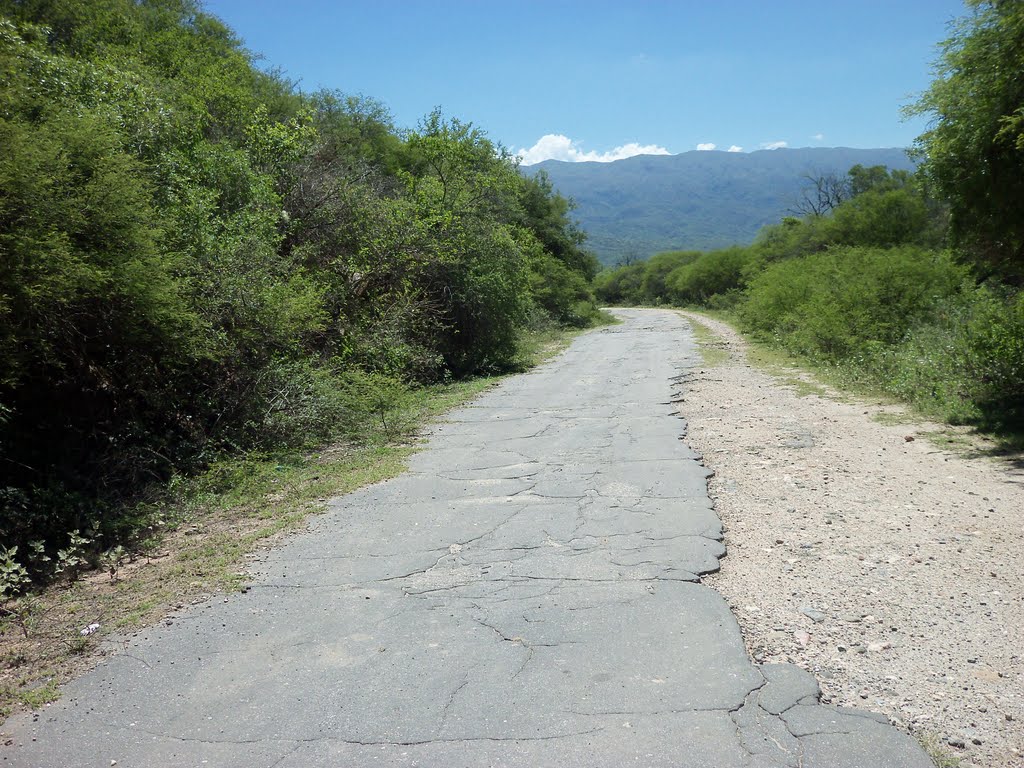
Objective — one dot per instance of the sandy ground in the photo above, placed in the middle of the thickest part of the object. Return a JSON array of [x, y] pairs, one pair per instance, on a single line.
[[890, 568]]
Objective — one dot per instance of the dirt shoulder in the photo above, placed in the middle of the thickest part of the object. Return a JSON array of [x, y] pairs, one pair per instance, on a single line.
[[889, 567]]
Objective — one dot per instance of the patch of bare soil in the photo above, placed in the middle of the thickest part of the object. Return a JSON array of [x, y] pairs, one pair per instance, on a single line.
[[859, 550]]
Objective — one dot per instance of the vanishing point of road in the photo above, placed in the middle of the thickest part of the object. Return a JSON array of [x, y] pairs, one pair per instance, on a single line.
[[527, 594]]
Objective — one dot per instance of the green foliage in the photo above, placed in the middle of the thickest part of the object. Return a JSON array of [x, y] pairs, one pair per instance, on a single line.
[[883, 209], [876, 178], [866, 288], [546, 214], [14, 576], [562, 293], [828, 305], [879, 218], [198, 260], [714, 273], [657, 270], [973, 154], [621, 286], [964, 363]]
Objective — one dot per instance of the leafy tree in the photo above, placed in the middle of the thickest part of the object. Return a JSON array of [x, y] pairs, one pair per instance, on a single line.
[[880, 217], [876, 178], [546, 213], [657, 269], [620, 286], [973, 154], [197, 258], [714, 273]]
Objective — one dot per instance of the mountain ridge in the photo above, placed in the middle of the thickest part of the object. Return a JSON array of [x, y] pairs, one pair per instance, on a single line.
[[700, 199]]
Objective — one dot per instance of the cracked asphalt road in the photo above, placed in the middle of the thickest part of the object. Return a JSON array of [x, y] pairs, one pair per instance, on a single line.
[[528, 594]]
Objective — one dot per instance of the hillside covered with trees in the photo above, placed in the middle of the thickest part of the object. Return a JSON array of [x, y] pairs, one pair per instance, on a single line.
[[198, 258], [699, 200], [911, 283]]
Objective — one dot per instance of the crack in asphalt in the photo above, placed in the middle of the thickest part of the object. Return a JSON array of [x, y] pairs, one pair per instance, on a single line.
[[299, 742], [504, 626]]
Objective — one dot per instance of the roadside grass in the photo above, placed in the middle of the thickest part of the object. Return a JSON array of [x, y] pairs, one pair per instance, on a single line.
[[938, 752], [197, 538], [782, 366], [845, 385], [961, 440], [788, 370], [713, 352]]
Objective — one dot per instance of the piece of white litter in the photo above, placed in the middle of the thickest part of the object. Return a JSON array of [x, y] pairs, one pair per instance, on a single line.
[[90, 629]]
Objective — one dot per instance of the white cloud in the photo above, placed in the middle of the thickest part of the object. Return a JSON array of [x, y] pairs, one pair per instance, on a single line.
[[774, 144], [555, 146], [818, 137], [705, 147], [734, 148]]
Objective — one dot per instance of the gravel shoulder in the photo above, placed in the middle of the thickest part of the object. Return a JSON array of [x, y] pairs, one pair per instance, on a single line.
[[861, 551]]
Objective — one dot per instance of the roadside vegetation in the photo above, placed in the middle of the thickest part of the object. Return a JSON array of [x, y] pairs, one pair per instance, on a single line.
[[908, 283], [208, 275], [194, 536]]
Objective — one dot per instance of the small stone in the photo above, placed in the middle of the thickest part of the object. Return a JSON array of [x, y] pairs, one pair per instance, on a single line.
[[954, 741], [812, 613], [976, 741]]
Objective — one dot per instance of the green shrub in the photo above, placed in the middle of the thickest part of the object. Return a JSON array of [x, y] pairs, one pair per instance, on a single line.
[[713, 273], [621, 286], [657, 269], [880, 218], [963, 363], [827, 306], [562, 293]]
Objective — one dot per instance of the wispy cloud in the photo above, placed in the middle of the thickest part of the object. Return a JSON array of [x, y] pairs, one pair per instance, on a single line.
[[555, 146], [818, 137], [774, 144], [706, 147], [735, 148]]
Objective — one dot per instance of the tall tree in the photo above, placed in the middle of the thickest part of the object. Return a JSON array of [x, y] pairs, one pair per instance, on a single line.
[[973, 153]]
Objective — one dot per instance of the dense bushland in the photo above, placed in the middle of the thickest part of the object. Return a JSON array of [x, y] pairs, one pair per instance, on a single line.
[[197, 258], [911, 283], [869, 288]]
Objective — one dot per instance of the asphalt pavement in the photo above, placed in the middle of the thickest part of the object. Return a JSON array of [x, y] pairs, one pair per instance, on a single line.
[[527, 594]]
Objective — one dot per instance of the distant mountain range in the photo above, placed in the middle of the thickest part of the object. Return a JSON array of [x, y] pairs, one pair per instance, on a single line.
[[696, 200]]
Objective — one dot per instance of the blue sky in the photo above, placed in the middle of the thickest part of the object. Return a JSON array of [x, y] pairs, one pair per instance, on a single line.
[[599, 80]]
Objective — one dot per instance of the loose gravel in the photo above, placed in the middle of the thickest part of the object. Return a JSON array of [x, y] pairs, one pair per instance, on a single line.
[[859, 550]]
